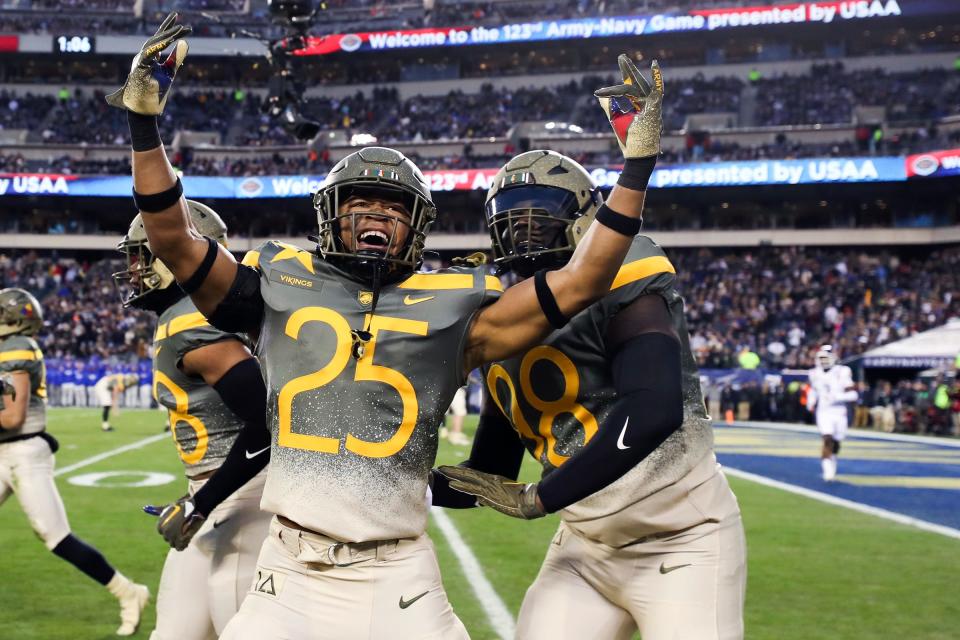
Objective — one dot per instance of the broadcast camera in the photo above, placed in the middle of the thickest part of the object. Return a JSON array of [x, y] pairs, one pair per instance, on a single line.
[[285, 91]]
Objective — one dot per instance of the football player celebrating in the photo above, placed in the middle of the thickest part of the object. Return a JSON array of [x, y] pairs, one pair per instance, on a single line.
[[361, 355], [650, 537], [26, 454], [211, 386], [831, 389]]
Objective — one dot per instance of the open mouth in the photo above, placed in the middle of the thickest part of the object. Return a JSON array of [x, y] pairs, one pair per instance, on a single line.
[[373, 240]]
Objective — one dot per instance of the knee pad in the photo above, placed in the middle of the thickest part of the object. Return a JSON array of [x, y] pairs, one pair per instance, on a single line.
[[836, 447]]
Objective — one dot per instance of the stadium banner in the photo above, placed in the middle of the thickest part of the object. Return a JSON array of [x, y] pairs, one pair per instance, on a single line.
[[705, 19], [706, 174], [935, 164]]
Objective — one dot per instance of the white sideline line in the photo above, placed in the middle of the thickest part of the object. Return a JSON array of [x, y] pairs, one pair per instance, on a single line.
[[859, 433], [109, 454], [841, 502], [497, 612]]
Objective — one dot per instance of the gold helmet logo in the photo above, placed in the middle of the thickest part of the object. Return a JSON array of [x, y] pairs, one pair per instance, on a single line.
[[365, 298]]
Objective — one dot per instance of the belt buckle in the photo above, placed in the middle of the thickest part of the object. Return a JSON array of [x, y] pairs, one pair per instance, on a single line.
[[332, 555]]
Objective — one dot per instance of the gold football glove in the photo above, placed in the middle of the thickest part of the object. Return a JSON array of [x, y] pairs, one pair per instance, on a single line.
[[179, 522], [635, 109], [148, 85], [507, 496]]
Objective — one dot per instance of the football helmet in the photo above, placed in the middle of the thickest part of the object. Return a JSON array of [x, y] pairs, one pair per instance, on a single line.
[[826, 358], [538, 209], [140, 284], [20, 313], [387, 174]]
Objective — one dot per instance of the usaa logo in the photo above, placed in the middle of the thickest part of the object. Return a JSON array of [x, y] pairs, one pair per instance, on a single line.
[[365, 298], [250, 188]]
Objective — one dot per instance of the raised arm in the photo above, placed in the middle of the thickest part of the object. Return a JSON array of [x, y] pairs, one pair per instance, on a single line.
[[157, 190], [529, 311]]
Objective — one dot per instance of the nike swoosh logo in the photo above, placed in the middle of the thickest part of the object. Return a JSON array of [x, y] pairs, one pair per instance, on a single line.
[[623, 432], [408, 300], [220, 522], [665, 569], [251, 456], [406, 603]]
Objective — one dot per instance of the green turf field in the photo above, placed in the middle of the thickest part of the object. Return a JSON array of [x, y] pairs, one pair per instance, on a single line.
[[815, 571]]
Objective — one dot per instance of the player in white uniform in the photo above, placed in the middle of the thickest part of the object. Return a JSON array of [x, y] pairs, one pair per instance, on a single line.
[[26, 455], [109, 390], [831, 388]]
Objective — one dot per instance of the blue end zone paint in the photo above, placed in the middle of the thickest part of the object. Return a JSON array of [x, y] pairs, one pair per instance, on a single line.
[[755, 449]]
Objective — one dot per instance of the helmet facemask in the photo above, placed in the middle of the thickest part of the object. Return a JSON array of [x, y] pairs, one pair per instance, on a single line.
[[145, 275], [360, 257], [535, 227]]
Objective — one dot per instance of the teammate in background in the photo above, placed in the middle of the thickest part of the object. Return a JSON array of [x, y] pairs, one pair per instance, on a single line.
[[831, 389], [458, 409], [650, 537], [108, 390], [361, 355], [211, 386], [26, 455]]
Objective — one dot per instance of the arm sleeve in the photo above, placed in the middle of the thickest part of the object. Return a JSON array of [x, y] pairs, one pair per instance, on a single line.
[[496, 449], [649, 407], [244, 393]]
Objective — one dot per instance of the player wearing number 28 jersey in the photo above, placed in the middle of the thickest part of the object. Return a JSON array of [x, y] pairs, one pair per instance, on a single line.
[[211, 385], [610, 405], [361, 355]]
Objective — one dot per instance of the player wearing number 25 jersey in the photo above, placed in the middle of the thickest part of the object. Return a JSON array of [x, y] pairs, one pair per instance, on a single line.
[[210, 384], [27, 460], [361, 356], [610, 405]]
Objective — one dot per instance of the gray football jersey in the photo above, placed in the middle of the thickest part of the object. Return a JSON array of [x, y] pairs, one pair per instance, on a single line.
[[21, 353], [355, 437], [558, 393], [203, 427]]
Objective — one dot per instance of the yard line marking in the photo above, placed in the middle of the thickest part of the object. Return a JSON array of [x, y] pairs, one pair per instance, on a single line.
[[860, 433], [497, 613], [139, 444], [842, 502]]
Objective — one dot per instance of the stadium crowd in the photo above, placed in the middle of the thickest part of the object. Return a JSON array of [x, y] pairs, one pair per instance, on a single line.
[[81, 116], [82, 315], [779, 304], [924, 405]]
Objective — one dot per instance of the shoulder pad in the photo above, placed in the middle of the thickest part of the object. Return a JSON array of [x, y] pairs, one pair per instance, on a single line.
[[644, 260], [293, 258], [466, 278]]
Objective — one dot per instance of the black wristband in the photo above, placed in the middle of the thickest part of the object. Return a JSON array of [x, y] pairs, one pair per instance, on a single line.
[[618, 222], [144, 131], [547, 302], [155, 202], [203, 270], [636, 173]]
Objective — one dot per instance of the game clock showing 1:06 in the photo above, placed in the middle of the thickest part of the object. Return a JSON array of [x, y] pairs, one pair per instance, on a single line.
[[73, 44]]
